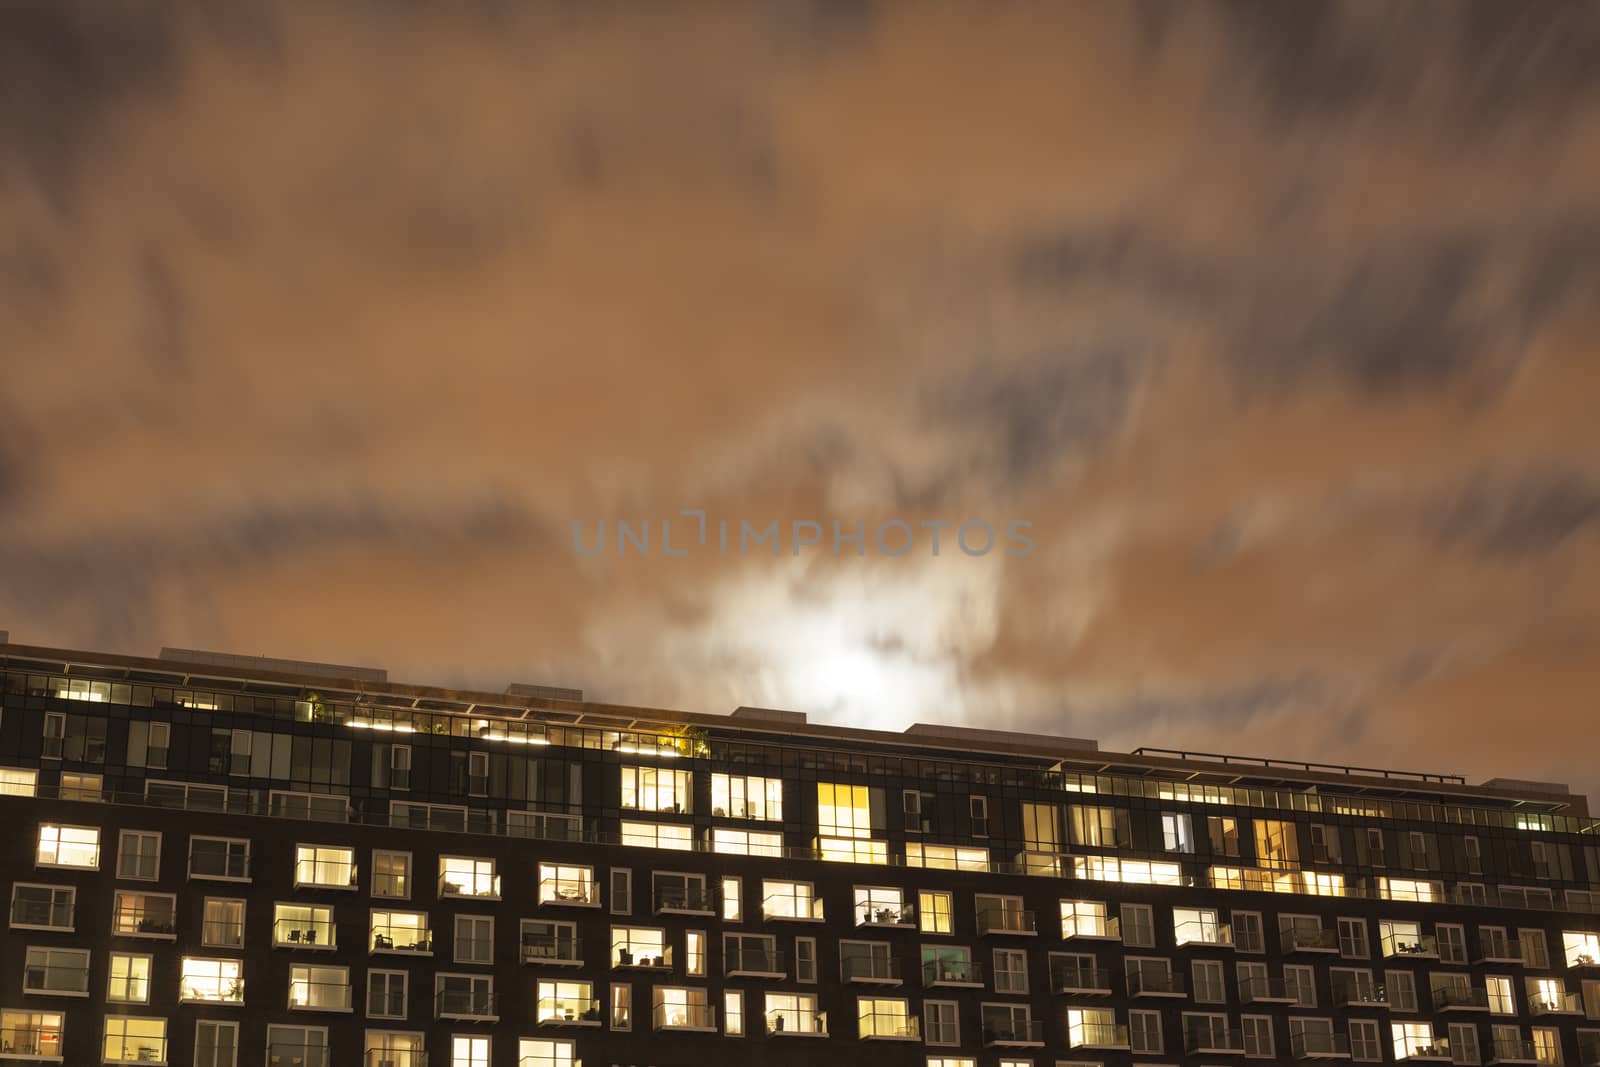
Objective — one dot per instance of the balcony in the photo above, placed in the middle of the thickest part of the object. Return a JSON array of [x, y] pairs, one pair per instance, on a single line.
[[312, 933], [1194, 934], [888, 1026], [1296, 939], [1448, 999], [1556, 1003], [678, 900], [660, 960], [1412, 947], [1206, 1040], [953, 973], [874, 970], [1266, 991], [56, 980], [572, 892], [1080, 981], [1320, 1045], [404, 1057], [1089, 928], [701, 1017], [1359, 996], [552, 951], [796, 1023], [456, 884], [318, 996], [284, 1054], [1503, 1050], [1013, 1033], [210, 991], [567, 1011], [1434, 1048], [1501, 951], [753, 962], [477, 1004], [902, 916], [222, 933], [1008, 921], [1097, 1035], [1154, 983], [403, 940], [30, 1043]]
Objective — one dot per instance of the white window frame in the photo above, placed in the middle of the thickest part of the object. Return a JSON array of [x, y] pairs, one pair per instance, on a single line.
[[389, 977], [137, 838], [456, 940]]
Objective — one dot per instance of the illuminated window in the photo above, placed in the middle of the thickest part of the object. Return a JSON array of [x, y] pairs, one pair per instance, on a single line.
[[56, 972], [305, 925], [567, 1002], [658, 835], [314, 988], [401, 931], [794, 1013], [877, 905], [391, 874], [324, 867], [469, 1051], [460, 876], [746, 842], [640, 946], [17, 782], [1410, 889], [733, 1013], [885, 1017], [1088, 918], [545, 1053], [947, 857], [130, 979], [1277, 844], [1223, 831], [399, 1048], [739, 796], [1137, 872], [222, 924], [1177, 832], [732, 899], [790, 900], [145, 915], [844, 810], [934, 911], [210, 980], [134, 1040], [852, 850], [1416, 1040], [683, 1009], [1582, 949], [1405, 939], [32, 1033], [657, 789], [565, 884], [1095, 1028], [1100, 827], [68, 846], [1199, 926], [621, 1006]]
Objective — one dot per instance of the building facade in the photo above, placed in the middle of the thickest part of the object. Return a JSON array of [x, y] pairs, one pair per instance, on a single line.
[[228, 863]]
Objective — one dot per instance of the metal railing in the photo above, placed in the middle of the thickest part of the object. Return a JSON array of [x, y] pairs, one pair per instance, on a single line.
[[997, 1031], [1313, 1043], [786, 906], [1209, 1039], [1557, 1003], [654, 960], [211, 991], [952, 972], [286, 1054], [685, 1016], [1469, 999], [686, 901], [796, 1021], [55, 978], [1101, 928], [547, 949], [1267, 990], [395, 1057], [1143, 983], [30, 1041], [869, 968], [392, 937], [318, 932], [1298, 939], [1508, 950], [1200, 932], [1076, 978], [1007, 921], [885, 915], [478, 1002], [1097, 1035], [888, 1025], [567, 891], [222, 933], [1425, 945], [1512, 1050], [1353, 994], [1434, 1048], [319, 996], [750, 960], [568, 1010]]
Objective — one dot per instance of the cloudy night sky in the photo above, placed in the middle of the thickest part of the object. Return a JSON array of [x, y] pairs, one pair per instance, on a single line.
[[321, 323]]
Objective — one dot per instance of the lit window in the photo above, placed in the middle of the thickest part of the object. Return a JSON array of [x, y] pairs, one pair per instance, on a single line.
[[223, 923], [658, 835], [152, 915], [1582, 949], [314, 988], [17, 782], [544, 1053], [396, 1048], [1199, 926], [68, 846], [391, 874], [1416, 1041], [794, 1013], [324, 867], [947, 857], [732, 899], [934, 911], [130, 979], [657, 789], [881, 906], [35, 1034], [790, 900], [677, 1008], [844, 810], [210, 980], [469, 1051], [1087, 918], [885, 1017], [305, 925], [738, 796], [460, 876], [401, 931], [852, 850], [746, 842], [1135, 872], [134, 1040], [639, 946], [564, 884], [733, 1013], [571, 1003]]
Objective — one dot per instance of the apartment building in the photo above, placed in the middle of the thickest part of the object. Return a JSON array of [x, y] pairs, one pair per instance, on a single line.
[[220, 862]]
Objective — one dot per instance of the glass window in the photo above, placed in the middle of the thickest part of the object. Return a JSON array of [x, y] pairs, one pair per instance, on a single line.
[[885, 1017], [42, 907], [134, 1040], [211, 980], [571, 1001], [68, 846], [844, 810], [464, 996], [401, 931], [56, 971], [941, 1022], [224, 859], [621, 891], [222, 925], [325, 867], [32, 1033], [387, 993], [463, 876], [732, 842], [1144, 1031], [566, 884], [316, 988], [541, 1052], [1138, 926], [733, 1013], [139, 855], [657, 789], [1177, 832], [621, 1006], [683, 1009], [130, 979], [391, 874], [18, 782], [732, 899], [474, 939], [216, 1044], [738, 796], [286, 1044], [789, 900], [805, 959], [145, 915], [934, 911], [694, 963], [468, 1051], [308, 925], [1010, 970]]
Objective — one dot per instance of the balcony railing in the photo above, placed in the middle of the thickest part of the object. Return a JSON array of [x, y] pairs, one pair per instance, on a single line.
[[402, 939], [469, 887], [55, 979], [1370, 995], [1200, 933], [782, 906], [227, 991], [222, 933], [219, 865], [748, 961], [1434, 1048], [1266, 991], [314, 932], [678, 900], [1425, 946], [319, 996], [1512, 1050], [1013, 1032], [575, 891], [23, 1042], [1097, 1035], [885, 915], [685, 1016], [799, 1022], [889, 1026], [552, 950], [40, 913], [952, 973], [1557, 1003], [1503, 951], [644, 960], [1007, 921], [1300, 939], [1446, 998], [135, 1050], [1319, 1044], [475, 1003], [1205, 1039], [1089, 928], [881, 969], [1155, 983], [568, 1011], [400, 1057], [284, 1054], [1070, 978]]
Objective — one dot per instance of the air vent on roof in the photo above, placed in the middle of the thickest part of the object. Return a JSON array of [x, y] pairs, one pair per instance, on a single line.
[[775, 715], [280, 666], [546, 692]]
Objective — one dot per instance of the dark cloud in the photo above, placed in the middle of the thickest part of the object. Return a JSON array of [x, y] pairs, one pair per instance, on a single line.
[[1517, 516]]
